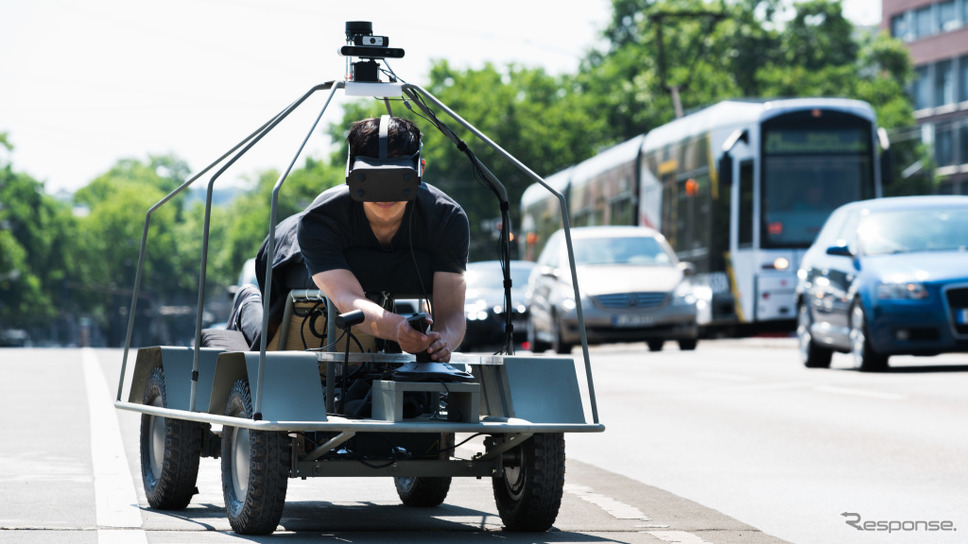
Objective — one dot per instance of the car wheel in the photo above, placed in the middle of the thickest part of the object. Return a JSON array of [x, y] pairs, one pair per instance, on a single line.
[[861, 350], [688, 344], [422, 492], [528, 493], [170, 451], [537, 346], [655, 345], [255, 470], [557, 343], [811, 355]]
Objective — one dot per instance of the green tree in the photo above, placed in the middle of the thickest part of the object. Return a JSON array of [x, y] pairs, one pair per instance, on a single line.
[[36, 242], [111, 234]]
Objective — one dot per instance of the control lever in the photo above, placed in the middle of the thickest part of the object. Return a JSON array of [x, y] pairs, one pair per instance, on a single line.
[[421, 323]]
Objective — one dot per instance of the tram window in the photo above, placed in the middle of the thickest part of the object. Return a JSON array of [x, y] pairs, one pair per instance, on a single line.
[[745, 216]]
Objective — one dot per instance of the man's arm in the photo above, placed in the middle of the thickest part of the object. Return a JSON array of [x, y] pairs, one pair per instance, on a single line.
[[449, 289], [344, 290]]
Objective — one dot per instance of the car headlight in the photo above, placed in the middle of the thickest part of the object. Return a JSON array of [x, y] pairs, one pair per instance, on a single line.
[[684, 294], [902, 290], [568, 304], [476, 310]]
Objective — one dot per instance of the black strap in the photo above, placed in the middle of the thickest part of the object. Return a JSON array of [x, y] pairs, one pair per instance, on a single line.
[[384, 136]]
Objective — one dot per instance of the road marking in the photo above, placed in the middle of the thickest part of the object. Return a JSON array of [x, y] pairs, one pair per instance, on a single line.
[[616, 509], [859, 392], [678, 536], [115, 498]]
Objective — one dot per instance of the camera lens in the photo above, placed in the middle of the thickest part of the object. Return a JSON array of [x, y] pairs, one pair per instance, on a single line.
[[358, 28]]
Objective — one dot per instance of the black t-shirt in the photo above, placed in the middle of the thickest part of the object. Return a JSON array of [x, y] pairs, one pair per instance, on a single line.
[[433, 237]]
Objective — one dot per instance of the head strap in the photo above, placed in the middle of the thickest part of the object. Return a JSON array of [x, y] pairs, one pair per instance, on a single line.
[[384, 136]]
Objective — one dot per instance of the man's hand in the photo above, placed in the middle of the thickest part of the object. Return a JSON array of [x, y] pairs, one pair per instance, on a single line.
[[413, 341]]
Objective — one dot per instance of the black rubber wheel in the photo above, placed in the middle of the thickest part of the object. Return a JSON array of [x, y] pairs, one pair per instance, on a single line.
[[811, 355], [528, 495], [688, 344], [255, 470], [422, 492], [557, 344], [655, 345], [537, 346], [170, 450], [861, 350]]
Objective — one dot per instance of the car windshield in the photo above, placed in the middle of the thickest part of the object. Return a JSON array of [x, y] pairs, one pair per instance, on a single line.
[[906, 231], [489, 276], [633, 250]]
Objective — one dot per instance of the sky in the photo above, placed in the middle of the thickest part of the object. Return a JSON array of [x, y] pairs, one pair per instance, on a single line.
[[86, 83]]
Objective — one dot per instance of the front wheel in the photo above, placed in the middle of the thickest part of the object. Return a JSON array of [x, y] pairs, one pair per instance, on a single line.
[[557, 340], [422, 492], [255, 470], [861, 350], [528, 494], [170, 450], [811, 355], [688, 344]]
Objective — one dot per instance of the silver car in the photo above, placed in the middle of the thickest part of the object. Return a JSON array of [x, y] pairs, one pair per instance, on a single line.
[[633, 289]]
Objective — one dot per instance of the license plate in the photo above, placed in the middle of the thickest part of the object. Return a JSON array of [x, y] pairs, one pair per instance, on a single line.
[[632, 320], [961, 316]]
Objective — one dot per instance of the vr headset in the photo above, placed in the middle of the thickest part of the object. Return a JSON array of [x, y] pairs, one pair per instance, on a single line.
[[384, 179]]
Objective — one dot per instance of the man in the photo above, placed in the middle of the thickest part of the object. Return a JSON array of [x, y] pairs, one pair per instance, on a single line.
[[357, 253], [360, 254]]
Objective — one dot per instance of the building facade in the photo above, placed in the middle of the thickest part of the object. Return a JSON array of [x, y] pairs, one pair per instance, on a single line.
[[936, 33]]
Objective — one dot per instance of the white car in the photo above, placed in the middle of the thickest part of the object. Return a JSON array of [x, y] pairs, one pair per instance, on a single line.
[[633, 289]]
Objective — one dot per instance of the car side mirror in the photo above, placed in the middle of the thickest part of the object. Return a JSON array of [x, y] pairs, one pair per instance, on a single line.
[[839, 251], [687, 268]]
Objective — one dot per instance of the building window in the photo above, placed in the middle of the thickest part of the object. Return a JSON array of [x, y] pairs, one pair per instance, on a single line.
[[923, 23], [922, 89], [944, 144], [948, 16], [963, 145], [963, 77], [900, 28], [944, 83]]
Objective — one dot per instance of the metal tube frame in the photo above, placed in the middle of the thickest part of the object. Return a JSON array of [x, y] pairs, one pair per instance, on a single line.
[[492, 425]]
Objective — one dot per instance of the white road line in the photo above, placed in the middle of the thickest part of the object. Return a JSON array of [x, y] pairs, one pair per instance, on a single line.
[[681, 537], [859, 392], [116, 499], [616, 509]]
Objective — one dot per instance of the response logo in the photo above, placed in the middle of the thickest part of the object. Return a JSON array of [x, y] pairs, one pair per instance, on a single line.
[[897, 526]]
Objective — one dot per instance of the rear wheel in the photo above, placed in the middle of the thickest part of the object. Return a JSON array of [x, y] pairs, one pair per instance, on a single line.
[[422, 492], [528, 494], [811, 355], [170, 450], [688, 344], [255, 470], [537, 346], [861, 350], [655, 345]]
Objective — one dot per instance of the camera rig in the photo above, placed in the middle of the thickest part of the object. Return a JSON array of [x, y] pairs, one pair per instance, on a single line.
[[360, 42]]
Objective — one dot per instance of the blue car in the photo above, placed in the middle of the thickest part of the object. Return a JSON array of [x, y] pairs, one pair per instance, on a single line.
[[886, 277]]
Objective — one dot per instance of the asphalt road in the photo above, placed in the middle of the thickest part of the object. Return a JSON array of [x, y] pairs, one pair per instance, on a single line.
[[740, 426], [734, 442]]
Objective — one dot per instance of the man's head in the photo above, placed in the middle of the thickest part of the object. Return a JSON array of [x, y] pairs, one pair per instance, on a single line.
[[384, 160], [403, 138]]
